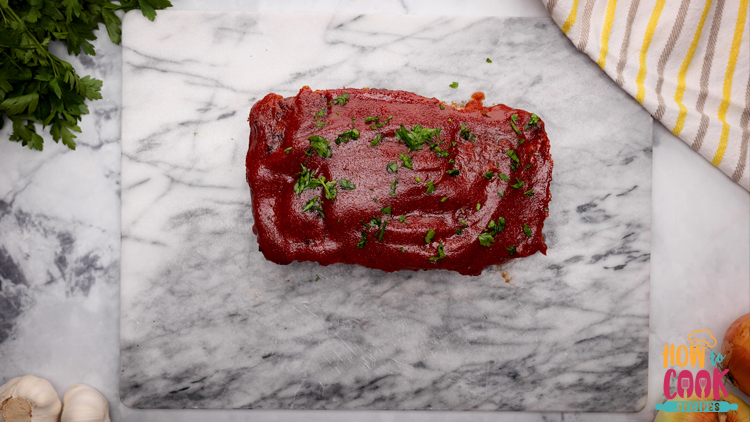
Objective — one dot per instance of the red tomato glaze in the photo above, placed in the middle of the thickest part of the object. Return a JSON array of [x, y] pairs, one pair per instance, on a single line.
[[459, 210]]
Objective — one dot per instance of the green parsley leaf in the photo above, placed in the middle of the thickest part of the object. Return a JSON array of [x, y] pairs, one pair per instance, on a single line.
[[518, 184], [313, 205], [328, 187], [546, 210], [526, 230], [320, 145], [463, 221], [529, 192], [429, 236], [341, 99], [306, 181], [347, 184], [363, 242], [441, 253], [402, 250], [533, 121], [513, 121], [405, 161], [375, 199], [489, 175], [402, 218], [452, 161], [430, 187], [369, 119], [418, 179], [319, 114], [414, 138], [459, 231], [320, 124], [287, 150], [479, 206], [486, 239], [512, 155], [528, 166], [464, 133], [500, 224], [376, 139], [511, 249], [445, 198], [386, 210], [392, 168], [382, 231], [442, 107], [347, 136], [488, 60], [393, 187], [500, 193], [454, 85], [503, 176], [453, 172]]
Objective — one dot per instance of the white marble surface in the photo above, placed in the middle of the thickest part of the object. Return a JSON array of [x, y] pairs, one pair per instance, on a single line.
[[60, 319], [207, 322]]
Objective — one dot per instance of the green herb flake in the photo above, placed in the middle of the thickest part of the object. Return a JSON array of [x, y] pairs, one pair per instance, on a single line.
[[369, 119], [347, 136], [453, 172], [511, 249], [441, 253], [363, 241], [518, 184], [529, 192], [375, 199], [528, 166], [376, 139], [430, 187], [503, 176], [313, 205], [382, 231], [489, 175], [347, 184], [402, 249], [386, 210], [464, 133], [533, 121], [415, 137], [319, 114], [452, 161], [500, 193], [479, 206], [463, 221], [454, 85], [512, 155], [488, 60], [320, 124], [486, 239], [317, 277], [287, 150], [405, 161], [402, 219], [459, 231], [442, 107], [306, 181], [429, 236], [392, 168], [393, 187], [341, 99], [445, 198], [526, 230], [320, 145], [546, 210], [500, 224], [418, 179], [513, 122]]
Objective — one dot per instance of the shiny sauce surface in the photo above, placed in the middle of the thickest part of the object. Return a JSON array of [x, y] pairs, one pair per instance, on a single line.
[[474, 173]]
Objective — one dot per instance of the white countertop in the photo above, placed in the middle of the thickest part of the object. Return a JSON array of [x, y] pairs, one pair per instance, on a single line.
[[60, 228]]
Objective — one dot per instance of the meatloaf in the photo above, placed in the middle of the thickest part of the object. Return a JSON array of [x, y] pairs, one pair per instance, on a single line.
[[396, 181]]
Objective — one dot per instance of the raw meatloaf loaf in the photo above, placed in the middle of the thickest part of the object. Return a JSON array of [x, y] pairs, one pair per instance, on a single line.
[[396, 181]]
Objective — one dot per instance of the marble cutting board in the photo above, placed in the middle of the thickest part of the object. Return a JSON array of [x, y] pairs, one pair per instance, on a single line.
[[206, 322]]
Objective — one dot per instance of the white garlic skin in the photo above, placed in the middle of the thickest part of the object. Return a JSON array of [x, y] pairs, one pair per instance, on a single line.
[[45, 404], [82, 403]]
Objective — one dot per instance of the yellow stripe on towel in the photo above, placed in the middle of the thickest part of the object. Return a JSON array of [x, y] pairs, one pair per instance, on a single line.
[[571, 18], [606, 31], [736, 41], [646, 42]]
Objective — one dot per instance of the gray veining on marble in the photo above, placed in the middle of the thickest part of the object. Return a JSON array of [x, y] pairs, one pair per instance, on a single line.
[[207, 322]]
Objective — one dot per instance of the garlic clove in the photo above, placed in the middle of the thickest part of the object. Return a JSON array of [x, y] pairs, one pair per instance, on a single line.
[[82, 403], [29, 399]]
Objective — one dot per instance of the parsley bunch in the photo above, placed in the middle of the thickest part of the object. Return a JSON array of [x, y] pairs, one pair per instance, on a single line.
[[36, 87]]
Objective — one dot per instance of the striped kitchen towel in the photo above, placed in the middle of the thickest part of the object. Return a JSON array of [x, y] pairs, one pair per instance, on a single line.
[[686, 61]]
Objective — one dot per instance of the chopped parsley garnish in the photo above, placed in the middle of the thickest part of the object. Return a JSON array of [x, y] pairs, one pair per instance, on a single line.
[[464, 222], [442, 107], [393, 187], [430, 187], [386, 210], [375, 199], [464, 133], [429, 236], [440, 252], [503, 176], [288, 149], [488, 60], [319, 114], [459, 231], [402, 218], [453, 172], [479, 206], [341, 99], [501, 223], [513, 122], [392, 168], [320, 145], [414, 138], [347, 184], [526, 230], [452, 161], [518, 184], [445, 198], [512, 155], [369, 119], [500, 193], [546, 210], [511, 249], [363, 242], [454, 85], [376, 139], [313, 205], [529, 192], [533, 121], [402, 249], [486, 239], [320, 124], [306, 181], [489, 175], [328, 187], [382, 231], [418, 179], [528, 166], [347, 136], [405, 161]]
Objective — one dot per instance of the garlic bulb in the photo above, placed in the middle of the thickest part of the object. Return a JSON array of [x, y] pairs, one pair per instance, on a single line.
[[29, 399], [82, 403]]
